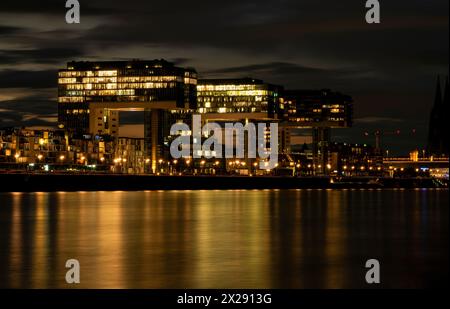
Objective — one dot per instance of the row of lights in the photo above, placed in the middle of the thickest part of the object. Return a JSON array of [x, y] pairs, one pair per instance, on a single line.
[[216, 163], [62, 157], [188, 162], [243, 164], [237, 162]]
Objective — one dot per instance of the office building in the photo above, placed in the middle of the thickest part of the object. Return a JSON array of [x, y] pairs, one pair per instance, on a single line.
[[91, 95], [320, 110], [238, 98]]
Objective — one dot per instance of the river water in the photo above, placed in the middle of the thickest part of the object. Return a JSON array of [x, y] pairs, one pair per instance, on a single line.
[[225, 239]]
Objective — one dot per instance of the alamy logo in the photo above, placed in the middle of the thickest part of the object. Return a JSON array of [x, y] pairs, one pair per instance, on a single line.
[[73, 274], [373, 274], [73, 14], [373, 14], [261, 140]]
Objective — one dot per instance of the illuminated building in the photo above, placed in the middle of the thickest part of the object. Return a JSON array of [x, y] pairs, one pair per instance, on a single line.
[[29, 145], [238, 100], [320, 110], [91, 95], [352, 160], [129, 156], [24, 147]]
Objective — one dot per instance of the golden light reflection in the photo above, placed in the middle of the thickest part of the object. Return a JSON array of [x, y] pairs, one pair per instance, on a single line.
[[218, 239], [15, 254], [335, 240]]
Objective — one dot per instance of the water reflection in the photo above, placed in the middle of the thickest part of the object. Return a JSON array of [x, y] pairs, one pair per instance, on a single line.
[[224, 239]]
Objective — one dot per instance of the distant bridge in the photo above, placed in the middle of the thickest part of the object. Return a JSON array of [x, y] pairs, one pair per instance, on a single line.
[[437, 167], [440, 162]]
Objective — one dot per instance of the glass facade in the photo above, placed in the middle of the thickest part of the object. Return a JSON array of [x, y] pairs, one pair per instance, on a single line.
[[237, 96], [317, 108], [82, 84]]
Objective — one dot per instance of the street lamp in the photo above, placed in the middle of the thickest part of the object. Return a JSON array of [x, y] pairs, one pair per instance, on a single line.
[[17, 156], [202, 165], [174, 167], [62, 158], [160, 166]]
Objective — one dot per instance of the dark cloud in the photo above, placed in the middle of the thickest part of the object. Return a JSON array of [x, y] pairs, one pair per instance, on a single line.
[[280, 72], [260, 25], [39, 56], [5, 30], [28, 111], [39, 105], [389, 69], [277, 68], [378, 120], [180, 61], [28, 79]]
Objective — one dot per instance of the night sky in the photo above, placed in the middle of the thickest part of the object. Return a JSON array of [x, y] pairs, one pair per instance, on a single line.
[[390, 69]]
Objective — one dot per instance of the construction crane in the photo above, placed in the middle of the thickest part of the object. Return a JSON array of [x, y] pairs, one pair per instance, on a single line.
[[379, 133]]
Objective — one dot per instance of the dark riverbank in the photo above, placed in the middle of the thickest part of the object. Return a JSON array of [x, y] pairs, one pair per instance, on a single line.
[[98, 182]]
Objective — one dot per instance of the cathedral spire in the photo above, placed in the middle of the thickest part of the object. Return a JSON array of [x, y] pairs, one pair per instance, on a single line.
[[438, 95], [446, 98], [445, 110], [438, 143]]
